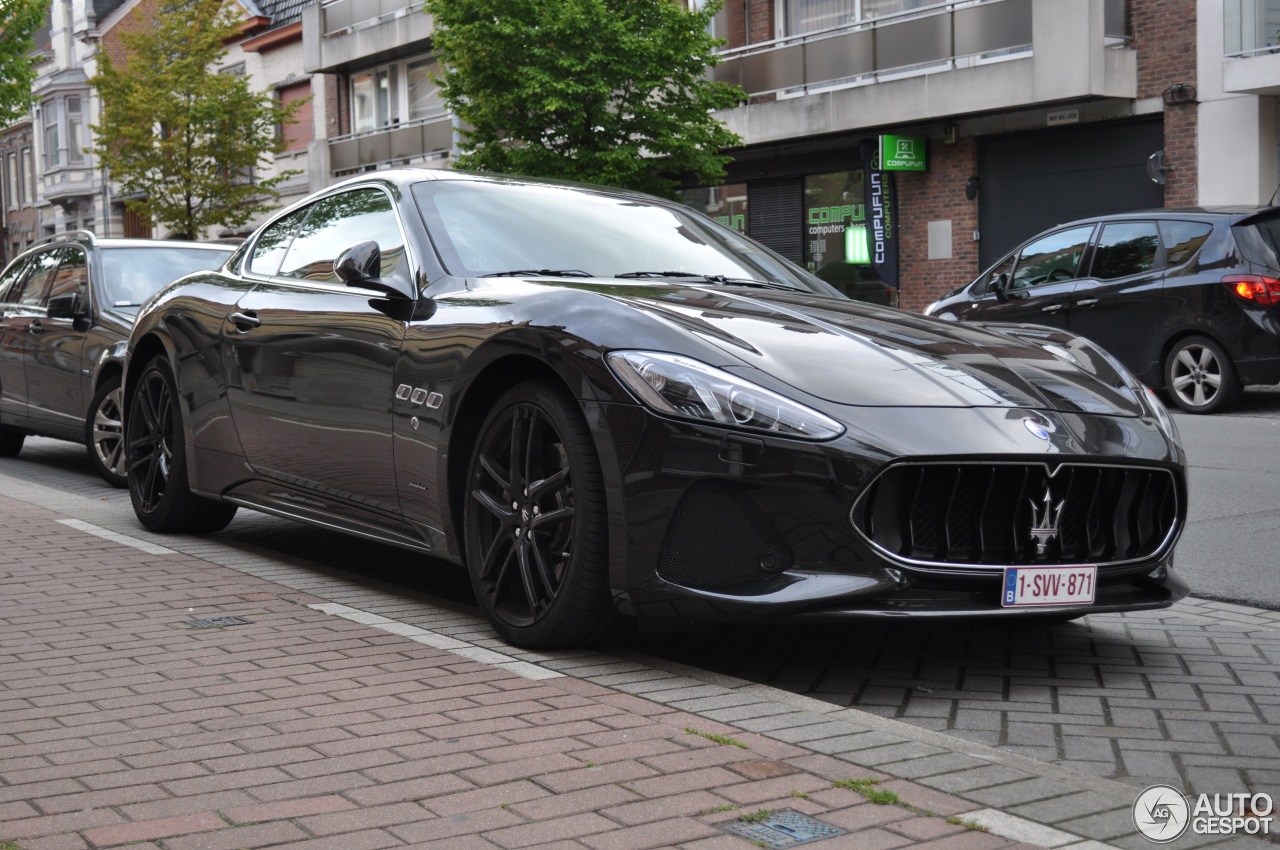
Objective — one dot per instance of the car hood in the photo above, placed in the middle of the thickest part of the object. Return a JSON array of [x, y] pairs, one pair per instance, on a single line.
[[852, 353]]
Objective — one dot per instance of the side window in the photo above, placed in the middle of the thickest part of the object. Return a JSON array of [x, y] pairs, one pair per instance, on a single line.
[[31, 289], [1125, 248], [335, 224], [1051, 258], [72, 276], [998, 278], [1182, 239], [9, 280], [274, 243]]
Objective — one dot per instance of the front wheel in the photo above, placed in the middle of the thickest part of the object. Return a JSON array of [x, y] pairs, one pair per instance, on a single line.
[[104, 432], [536, 531], [157, 460], [11, 440], [1200, 377]]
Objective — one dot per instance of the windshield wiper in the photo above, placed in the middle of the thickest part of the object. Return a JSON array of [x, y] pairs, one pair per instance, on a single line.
[[541, 272], [714, 278]]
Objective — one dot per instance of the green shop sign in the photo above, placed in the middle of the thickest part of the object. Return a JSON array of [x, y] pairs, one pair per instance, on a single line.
[[902, 153]]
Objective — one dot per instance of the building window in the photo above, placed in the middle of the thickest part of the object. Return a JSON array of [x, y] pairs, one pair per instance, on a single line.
[[11, 181], [75, 131], [727, 204], [393, 94], [299, 134], [26, 177], [63, 131], [806, 16], [52, 138]]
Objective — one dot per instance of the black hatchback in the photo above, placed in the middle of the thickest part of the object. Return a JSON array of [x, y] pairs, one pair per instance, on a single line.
[[1188, 299]]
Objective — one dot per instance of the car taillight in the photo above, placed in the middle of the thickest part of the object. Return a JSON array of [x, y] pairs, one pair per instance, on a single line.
[[1263, 291]]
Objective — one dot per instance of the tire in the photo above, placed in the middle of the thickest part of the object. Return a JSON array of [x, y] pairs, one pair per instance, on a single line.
[[538, 554], [104, 432], [1200, 377], [11, 440], [157, 460]]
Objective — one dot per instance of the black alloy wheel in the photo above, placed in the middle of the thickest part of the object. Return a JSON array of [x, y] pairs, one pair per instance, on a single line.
[[536, 536], [1200, 377], [157, 463], [104, 432]]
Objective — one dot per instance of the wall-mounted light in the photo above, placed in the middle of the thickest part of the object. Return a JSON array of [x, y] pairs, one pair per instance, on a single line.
[[971, 188], [1180, 93]]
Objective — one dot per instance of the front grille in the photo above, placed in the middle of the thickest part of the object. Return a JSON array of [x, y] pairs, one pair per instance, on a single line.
[[984, 514]]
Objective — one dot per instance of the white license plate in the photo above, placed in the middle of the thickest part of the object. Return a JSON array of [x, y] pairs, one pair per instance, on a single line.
[[1027, 586]]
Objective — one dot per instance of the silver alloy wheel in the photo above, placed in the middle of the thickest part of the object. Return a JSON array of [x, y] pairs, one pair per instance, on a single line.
[[108, 432], [1196, 375]]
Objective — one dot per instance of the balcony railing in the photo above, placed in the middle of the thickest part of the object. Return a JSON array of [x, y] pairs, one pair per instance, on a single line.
[[391, 145], [340, 17], [1250, 27], [879, 44]]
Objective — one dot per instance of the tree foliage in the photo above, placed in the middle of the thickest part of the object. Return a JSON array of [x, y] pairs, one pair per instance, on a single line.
[[19, 20], [181, 136], [603, 91]]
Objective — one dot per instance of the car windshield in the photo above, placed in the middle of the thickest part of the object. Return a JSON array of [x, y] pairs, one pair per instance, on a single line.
[[495, 228], [132, 275]]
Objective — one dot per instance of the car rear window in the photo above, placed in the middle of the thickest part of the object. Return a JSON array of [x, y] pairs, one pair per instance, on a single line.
[[132, 275], [1259, 239]]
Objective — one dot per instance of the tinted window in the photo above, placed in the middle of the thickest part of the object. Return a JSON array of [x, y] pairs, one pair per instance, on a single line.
[[1182, 239], [337, 223], [274, 243], [10, 278], [1050, 258], [132, 275], [32, 287], [72, 276], [1125, 248]]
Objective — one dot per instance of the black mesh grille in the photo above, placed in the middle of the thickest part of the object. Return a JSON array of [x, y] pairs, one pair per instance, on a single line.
[[718, 537], [983, 514]]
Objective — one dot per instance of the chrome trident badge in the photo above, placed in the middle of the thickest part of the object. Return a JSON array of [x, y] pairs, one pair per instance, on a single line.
[[1044, 526]]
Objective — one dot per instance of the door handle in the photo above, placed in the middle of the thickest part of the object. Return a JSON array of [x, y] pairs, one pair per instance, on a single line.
[[1086, 302], [1052, 308], [245, 322], [35, 327]]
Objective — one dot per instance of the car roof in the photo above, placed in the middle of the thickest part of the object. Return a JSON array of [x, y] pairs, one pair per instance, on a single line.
[[1230, 213], [407, 175]]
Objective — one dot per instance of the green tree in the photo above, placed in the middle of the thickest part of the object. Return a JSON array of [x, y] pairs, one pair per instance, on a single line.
[[182, 136], [19, 20], [603, 91]]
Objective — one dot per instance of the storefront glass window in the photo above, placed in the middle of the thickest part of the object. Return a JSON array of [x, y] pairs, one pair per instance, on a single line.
[[727, 204], [835, 246]]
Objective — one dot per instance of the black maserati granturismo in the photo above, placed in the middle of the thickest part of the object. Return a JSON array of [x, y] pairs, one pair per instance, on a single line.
[[608, 406]]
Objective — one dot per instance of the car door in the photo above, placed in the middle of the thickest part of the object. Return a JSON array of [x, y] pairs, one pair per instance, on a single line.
[[1039, 286], [55, 368], [21, 329], [311, 360], [1117, 302]]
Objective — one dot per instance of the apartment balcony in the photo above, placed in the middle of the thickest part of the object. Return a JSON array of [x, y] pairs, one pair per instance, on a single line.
[[344, 35], [1251, 47], [418, 141], [946, 60]]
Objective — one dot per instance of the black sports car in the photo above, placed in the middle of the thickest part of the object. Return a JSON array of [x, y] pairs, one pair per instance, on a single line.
[[605, 404]]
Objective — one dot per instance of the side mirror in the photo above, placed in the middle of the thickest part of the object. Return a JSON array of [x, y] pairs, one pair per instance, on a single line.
[[359, 264], [998, 285], [65, 307]]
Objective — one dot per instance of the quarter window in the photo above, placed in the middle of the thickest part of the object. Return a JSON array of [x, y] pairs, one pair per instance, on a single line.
[[1182, 239], [39, 270], [337, 223], [273, 244], [1051, 258], [1126, 248]]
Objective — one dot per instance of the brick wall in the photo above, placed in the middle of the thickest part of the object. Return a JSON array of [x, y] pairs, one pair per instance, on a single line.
[[136, 20], [1164, 34], [937, 195]]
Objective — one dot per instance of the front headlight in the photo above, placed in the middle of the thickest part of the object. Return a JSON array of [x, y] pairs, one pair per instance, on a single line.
[[690, 389]]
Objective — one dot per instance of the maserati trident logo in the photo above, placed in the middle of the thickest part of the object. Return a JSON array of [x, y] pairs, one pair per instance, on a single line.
[[1045, 526]]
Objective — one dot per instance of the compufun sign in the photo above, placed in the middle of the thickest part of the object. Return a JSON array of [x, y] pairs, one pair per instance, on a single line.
[[903, 153]]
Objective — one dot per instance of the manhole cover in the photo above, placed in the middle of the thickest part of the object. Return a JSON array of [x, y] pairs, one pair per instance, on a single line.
[[217, 622], [786, 828]]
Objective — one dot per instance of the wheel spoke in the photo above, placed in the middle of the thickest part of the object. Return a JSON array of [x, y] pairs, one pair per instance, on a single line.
[[546, 486], [526, 576], [1198, 397], [499, 510], [147, 405], [558, 515], [496, 472], [519, 444], [545, 573], [1180, 383], [491, 561], [1186, 359], [1206, 359], [1213, 380]]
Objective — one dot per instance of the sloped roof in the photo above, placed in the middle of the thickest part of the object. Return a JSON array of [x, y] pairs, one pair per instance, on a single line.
[[281, 12]]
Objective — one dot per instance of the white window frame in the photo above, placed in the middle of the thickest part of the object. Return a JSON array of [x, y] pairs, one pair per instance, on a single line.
[[398, 101], [67, 149]]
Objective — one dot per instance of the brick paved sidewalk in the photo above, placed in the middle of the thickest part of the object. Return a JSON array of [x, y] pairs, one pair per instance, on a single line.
[[124, 723]]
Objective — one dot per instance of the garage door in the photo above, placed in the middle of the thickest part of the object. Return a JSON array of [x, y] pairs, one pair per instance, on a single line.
[[1033, 181]]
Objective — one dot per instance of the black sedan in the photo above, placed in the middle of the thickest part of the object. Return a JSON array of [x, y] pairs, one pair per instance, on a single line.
[[610, 406], [64, 305]]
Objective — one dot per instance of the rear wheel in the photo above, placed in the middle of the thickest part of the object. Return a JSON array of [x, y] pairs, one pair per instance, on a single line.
[[104, 432], [157, 461], [536, 532], [11, 440], [1200, 377]]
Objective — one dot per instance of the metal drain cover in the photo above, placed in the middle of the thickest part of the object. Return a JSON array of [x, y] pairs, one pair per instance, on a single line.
[[217, 622], [785, 828]]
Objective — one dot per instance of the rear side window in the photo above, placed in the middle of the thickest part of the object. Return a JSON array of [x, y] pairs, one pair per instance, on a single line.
[[1182, 239], [33, 285], [8, 283], [1126, 248]]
